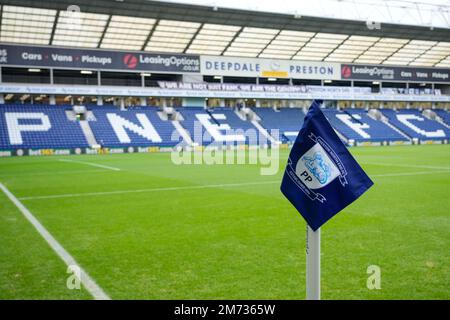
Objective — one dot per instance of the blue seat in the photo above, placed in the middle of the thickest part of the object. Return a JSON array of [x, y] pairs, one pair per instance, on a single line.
[[444, 115], [356, 124], [28, 128], [133, 132], [220, 118], [415, 125], [287, 120]]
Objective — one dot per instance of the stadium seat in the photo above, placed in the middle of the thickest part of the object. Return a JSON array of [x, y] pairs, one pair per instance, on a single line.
[[38, 127], [287, 120], [356, 124], [135, 127], [415, 125], [444, 115], [45, 126], [217, 125]]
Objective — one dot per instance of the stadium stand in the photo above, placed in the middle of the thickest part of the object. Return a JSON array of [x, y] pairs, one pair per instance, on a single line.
[[287, 120], [378, 130], [415, 125], [215, 124], [444, 115], [135, 127], [355, 124], [189, 120], [38, 127], [28, 126]]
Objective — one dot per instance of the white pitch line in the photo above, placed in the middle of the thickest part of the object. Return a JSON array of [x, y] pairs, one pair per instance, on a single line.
[[91, 286], [400, 174], [26, 174], [406, 165], [91, 164], [224, 185], [71, 195]]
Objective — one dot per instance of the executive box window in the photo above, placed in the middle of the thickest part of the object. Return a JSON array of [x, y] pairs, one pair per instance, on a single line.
[[337, 83], [121, 79], [25, 75], [419, 85], [239, 80], [274, 81], [304, 82], [75, 77], [398, 85], [212, 79]]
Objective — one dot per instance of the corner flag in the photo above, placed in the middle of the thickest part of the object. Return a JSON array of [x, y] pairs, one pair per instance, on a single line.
[[321, 176]]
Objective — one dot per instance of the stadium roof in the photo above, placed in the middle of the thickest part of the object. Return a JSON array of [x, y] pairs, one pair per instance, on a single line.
[[184, 28], [426, 13]]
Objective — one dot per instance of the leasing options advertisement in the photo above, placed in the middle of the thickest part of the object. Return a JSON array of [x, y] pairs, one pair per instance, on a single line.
[[34, 56], [386, 73], [253, 67]]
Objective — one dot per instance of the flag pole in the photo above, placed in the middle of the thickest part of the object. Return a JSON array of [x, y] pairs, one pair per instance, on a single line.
[[312, 264]]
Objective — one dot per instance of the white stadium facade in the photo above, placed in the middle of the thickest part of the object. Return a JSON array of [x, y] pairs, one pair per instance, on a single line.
[[120, 76]]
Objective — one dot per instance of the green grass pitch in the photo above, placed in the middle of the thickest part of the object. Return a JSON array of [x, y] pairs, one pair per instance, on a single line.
[[243, 241]]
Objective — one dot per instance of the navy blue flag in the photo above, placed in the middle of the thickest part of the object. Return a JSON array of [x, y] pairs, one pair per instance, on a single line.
[[321, 176]]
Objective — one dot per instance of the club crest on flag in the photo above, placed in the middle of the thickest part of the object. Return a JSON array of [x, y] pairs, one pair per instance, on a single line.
[[316, 168], [321, 176], [318, 165]]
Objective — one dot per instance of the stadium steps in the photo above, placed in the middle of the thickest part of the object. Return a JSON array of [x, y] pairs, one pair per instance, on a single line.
[[183, 133], [341, 136], [287, 120], [242, 113], [441, 121], [71, 115], [265, 133], [376, 115], [247, 114], [351, 116], [173, 116], [386, 121], [429, 114], [212, 117], [433, 129], [88, 134], [432, 115], [444, 116], [379, 116]]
